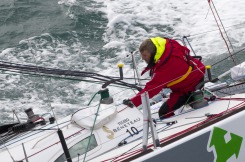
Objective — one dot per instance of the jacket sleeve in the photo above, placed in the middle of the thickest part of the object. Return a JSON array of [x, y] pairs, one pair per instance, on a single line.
[[153, 87]]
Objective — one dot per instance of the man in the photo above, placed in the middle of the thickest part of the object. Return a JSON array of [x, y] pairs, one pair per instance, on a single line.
[[172, 67]]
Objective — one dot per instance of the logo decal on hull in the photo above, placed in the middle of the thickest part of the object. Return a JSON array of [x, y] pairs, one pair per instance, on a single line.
[[221, 148], [107, 130]]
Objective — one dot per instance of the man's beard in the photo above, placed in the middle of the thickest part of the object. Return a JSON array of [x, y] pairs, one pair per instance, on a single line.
[[151, 62]]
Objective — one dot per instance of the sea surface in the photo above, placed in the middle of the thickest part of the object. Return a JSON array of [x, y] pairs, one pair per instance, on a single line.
[[96, 35]]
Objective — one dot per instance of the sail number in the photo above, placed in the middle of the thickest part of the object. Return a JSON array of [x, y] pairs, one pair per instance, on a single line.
[[132, 131]]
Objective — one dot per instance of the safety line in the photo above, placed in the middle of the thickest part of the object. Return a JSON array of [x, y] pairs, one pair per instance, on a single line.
[[220, 30]]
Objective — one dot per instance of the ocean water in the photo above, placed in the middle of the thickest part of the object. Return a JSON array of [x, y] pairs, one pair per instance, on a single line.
[[95, 35]]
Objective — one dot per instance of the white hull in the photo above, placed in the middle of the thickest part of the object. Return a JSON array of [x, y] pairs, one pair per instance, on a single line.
[[43, 146]]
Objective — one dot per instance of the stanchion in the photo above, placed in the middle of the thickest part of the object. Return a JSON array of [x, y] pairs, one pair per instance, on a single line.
[[64, 146], [148, 122]]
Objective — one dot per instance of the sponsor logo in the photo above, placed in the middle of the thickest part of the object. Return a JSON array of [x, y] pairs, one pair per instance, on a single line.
[[109, 132], [224, 149], [124, 124]]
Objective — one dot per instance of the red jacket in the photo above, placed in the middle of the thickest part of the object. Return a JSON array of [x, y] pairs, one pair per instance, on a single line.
[[176, 66]]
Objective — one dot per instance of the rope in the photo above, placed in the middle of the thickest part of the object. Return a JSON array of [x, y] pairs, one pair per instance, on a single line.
[[91, 133], [45, 87], [228, 57], [223, 26], [159, 128], [235, 99], [65, 78], [128, 154], [54, 144], [198, 69], [92, 98], [162, 85], [69, 137], [189, 44], [25, 134], [7, 150], [49, 70], [202, 33], [179, 133], [220, 29], [38, 70], [210, 118], [186, 102]]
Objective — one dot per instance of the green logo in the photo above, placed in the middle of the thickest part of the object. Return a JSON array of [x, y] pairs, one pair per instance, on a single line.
[[225, 150]]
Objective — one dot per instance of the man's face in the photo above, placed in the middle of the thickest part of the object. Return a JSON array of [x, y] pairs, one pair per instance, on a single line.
[[146, 56]]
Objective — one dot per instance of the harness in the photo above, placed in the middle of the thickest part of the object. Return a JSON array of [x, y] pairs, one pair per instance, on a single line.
[[183, 77], [187, 56]]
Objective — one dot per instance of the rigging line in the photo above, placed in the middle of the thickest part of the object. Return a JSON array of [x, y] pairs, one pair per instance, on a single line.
[[221, 32], [25, 135], [186, 102], [49, 75], [136, 151], [45, 88], [91, 114], [64, 72], [165, 129], [134, 68], [67, 73], [119, 136], [223, 26], [126, 153], [199, 122], [67, 78], [189, 45], [215, 30], [54, 69], [13, 116], [230, 87], [229, 102], [70, 136], [42, 68], [126, 78], [228, 57], [164, 84], [207, 13], [131, 136], [52, 76], [226, 93], [7, 150], [195, 117], [121, 91], [185, 125], [47, 70], [181, 113], [6, 137], [92, 98], [119, 82], [87, 148]]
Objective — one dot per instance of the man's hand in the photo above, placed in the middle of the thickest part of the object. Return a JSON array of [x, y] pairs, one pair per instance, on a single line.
[[128, 102]]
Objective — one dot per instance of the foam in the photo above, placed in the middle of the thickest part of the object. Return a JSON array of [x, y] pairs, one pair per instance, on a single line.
[[67, 2], [142, 19], [129, 23]]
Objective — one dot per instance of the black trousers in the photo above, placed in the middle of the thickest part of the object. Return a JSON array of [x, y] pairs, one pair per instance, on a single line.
[[166, 111]]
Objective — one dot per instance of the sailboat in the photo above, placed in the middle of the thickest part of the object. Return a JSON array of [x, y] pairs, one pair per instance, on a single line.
[[109, 132]]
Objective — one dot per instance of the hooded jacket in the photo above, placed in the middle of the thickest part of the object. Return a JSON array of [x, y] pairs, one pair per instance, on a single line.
[[171, 66]]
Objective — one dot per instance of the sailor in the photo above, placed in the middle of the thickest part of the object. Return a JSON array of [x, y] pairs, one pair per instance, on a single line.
[[170, 66]]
